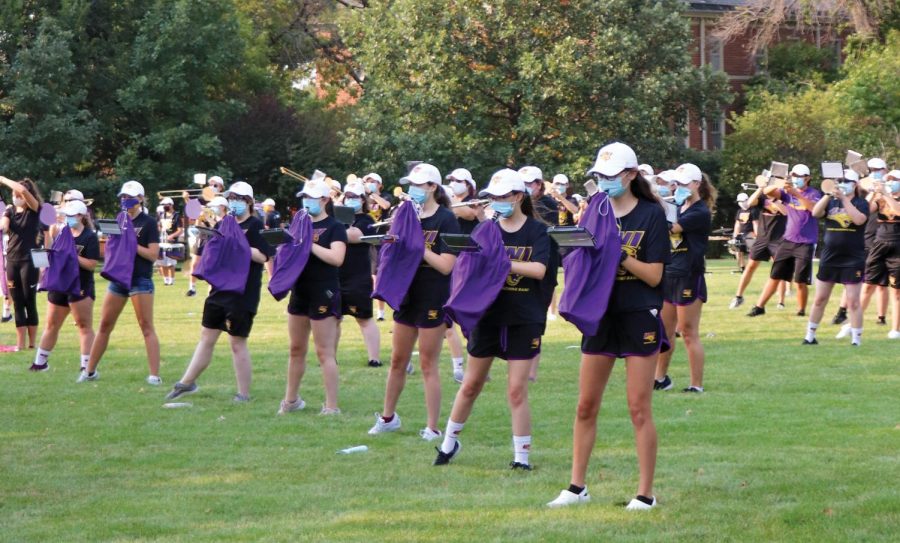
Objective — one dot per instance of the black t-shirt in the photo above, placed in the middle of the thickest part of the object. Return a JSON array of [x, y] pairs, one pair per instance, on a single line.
[[566, 218], [546, 208], [249, 300], [442, 222], [87, 246], [871, 229], [356, 273], [771, 222], [272, 220], [520, 300], [689, 245], [168, 224], [844, 245], [147, 234], [375, 210], [645, 236], [888, 227], [746, 217], [325, 232], [25, 233], [466, 226]]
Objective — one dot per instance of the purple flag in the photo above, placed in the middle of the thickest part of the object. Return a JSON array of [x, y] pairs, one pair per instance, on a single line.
[[62, 273], [121, 249], [591, 271], [291, 258], [478, 277], [226, 259], [400, 260]]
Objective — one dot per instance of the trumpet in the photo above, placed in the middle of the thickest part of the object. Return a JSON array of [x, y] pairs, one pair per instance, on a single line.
[[472, 203], [291, 173], [749, 186]]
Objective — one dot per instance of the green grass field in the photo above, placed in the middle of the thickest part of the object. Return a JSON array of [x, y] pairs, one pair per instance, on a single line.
[[789, 443]]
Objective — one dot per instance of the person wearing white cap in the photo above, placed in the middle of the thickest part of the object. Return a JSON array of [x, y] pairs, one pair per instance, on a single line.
[[81, 305], [793, 261], [843, 258], [21, 222], [883, 260], [315, 303], [271, 219], [630, 329], [420, 316], [512, 326], [216, 209], [877, 168], [170, 230], [379, 202], [567, 207], [216, 183], [231, 312], [140, 291], [744, 227], [546, 209], [684, 282], [356, 272]]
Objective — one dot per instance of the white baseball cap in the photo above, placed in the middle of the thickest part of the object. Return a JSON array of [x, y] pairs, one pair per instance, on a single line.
[[218, 201], [461, 174], [132, 188], [531, 173], [215, 179], [669, 176], [423, 173], [742, 197], [613, 159], [315, 189], [876, 164], [894, 174], [373, 176], [688, 171], [73, 195], [800, 170], [240, 188], [645, 169], [851, 175], [166, 200], [75, 207], [504, 182], [355, 188], [268, 202], [560, 179]]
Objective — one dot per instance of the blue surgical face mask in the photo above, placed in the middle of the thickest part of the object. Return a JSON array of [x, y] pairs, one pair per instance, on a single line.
[[612, 187], [528, 189], [312, 206], [237, 207], [354, 203], [418, 194], [682, 194], [128, 203], [877, 176], [847, 188], [371, 187], [663, 191], [73, 221], [799, 182], [893, 186], [504, 209]]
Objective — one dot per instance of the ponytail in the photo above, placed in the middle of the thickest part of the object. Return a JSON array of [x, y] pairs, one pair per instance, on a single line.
[[528, 207], [708, 193], [440, 196]]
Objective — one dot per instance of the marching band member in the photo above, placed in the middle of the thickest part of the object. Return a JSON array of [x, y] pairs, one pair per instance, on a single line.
[[512, 326], [216, 209], [231, 312], [169, 231], [140, 291], [421, 314], [630, 329], [60, 304], [271, 219], [463, 187], [843, 253], [356, 272], [379, 205], [315, 303], [793, 261], [745, 222], [21, 222], [684, 282], [566, 205]]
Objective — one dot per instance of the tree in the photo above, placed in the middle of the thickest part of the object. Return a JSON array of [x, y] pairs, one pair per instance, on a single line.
[[489, 84]]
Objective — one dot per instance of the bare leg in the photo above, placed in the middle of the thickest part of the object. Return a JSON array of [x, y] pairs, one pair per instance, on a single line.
[[243, 370], [109, 314], [689, 321], [782, 290], [820, 301], [325, 337], [202, 355], [143, 309], [768, 291], [594, 375], [747, 276], [517, 396], [371, 337], [851, 298], [639, 389], [83, 314], [669, 317], [404, 338], [477, 370], [298, 330], [56, 315], [802, 296], [430, 342]]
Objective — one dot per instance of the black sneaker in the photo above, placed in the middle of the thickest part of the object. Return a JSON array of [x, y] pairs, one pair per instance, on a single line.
[[375, 364], [802, 313], [840, 317], [518, 465], [756, 311], [6, 318], [665, 384], [693, 389], [444, 458], [39, 367], [808, 342], [881, 321], [190, 292]]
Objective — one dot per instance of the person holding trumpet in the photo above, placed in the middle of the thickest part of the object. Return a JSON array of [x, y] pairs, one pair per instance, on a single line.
[[462, 188], [170, 230]]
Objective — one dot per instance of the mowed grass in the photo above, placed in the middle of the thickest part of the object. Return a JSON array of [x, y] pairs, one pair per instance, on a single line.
[[789, 443]]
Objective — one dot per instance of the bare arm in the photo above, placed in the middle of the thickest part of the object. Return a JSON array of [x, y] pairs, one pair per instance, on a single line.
[[857, 216], [87, 263], [648, 272], [333, 256], [15, 186], [354, 235], [443, 263], [818, 210], [258, 256], [151, 252], [532, 270], [754, 198]]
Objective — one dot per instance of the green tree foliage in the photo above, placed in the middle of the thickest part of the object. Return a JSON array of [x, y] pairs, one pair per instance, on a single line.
[[489, 84]]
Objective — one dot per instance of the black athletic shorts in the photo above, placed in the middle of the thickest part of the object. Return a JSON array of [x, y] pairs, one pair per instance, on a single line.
[[316, 300], [356, 303], [635, 333], [684, 290], [63, 299], [793, 262], [764, 249], [423, 307], [232, 320], [844, 276], [883, 264], [513, 342]]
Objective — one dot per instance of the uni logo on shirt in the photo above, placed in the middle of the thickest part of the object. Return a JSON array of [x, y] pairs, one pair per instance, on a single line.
[[430, 238], [517, 254], [317, 232], [631, 243]]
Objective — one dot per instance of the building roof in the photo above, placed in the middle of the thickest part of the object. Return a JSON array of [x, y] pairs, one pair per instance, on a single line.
[[714, 5]]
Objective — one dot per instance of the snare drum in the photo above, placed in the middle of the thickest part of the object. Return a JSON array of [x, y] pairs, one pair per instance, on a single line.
[[173, 251]]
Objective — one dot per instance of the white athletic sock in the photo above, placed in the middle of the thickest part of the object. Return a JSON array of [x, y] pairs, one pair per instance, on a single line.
[[85, 358], [451, 435], [856, 336], [811, 331], [381, 313], [521, 448], [6, 311], [458, 363], [41, 357]]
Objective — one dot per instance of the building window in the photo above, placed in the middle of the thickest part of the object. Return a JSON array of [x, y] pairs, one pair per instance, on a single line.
[[760, 60], [716, 133], [714, 58]]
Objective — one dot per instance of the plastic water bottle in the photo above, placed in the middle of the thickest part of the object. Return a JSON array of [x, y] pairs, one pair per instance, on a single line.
[[351, 450]]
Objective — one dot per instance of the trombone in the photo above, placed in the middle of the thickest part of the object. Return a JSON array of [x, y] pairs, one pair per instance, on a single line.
[[207, 193], [291, 173]]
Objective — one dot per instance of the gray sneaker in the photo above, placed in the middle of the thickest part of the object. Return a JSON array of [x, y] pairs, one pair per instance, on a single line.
[[85, 376], [240, 398], [181, 389]]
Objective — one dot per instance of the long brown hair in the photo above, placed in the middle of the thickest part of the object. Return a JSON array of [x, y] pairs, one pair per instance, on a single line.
[[440, 196], [707, 193], [32, 187]]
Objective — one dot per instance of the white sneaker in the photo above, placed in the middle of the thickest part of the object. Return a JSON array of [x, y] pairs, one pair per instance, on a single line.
[[551, 316], [85, 376], [844, 332], [569, 498], [430, 435], [382, 427], [154, 380], [458, 375], [330, 411], [289, 407], [894, 334], [638, 505]]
